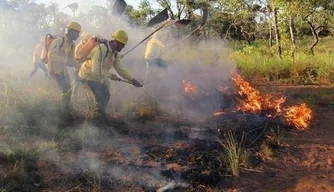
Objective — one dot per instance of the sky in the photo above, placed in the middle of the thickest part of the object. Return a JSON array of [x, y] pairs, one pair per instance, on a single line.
[[84, 4]]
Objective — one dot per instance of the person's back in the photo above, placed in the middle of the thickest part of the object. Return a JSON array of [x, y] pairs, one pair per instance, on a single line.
[[61, 55], [153, 48], [37, 52], [154, 63], [38, 63]]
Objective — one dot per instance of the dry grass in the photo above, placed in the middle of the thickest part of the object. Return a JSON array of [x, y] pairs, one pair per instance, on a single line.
[[232, 152]]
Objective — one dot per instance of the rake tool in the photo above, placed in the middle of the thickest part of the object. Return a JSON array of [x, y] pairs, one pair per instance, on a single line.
[[162, 16], [118, 7], [123, 80], [204, 18]]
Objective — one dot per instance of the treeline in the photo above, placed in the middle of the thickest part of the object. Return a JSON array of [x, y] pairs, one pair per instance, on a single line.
[[277, 22]]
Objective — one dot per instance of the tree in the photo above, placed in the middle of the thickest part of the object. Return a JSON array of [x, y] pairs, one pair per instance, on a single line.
[[235, 19], [318, 15], [141, 16]]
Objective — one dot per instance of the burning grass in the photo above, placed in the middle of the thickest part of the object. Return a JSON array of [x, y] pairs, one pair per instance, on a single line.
[[253, 101], [157, 145]]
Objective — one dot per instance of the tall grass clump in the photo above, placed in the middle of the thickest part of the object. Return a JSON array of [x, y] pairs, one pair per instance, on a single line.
[[233, 152]]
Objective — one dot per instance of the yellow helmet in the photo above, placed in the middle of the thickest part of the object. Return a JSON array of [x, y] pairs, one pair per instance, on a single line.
[[74, 25], [120, 36]]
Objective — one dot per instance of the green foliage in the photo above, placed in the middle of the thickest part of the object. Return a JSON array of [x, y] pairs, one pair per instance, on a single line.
[[15, 177], [258, 64], [141, 16], [233, 152]]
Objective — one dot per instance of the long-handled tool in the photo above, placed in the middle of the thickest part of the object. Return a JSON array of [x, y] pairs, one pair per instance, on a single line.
[[167, 23], [118, 7], [159, 18], [162, 16], [123, 80], [204, 18]]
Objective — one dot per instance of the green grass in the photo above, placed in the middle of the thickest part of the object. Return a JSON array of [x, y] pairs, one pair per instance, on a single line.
[[233, 152], [259, 63]]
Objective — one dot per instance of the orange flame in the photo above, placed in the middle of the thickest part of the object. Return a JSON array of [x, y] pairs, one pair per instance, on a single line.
[[252, 101], [189, 88], [298, 115]]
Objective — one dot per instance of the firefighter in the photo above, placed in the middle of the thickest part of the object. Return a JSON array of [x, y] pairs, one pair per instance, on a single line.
[[154, 48], [96, 70], [38, 63], [61, 55], [83, 38]]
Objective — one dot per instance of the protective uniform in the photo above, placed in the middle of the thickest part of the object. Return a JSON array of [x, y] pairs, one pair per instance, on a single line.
[[96, 70], [37, 59], [61, 55], [154, 48], [83, 39]]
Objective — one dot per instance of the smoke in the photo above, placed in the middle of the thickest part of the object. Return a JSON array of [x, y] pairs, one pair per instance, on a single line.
[[31, 117]]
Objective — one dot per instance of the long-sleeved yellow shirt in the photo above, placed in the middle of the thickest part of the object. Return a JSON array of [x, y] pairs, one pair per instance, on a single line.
[[153, 48], [61, 56], [37, 52], [98, 67]]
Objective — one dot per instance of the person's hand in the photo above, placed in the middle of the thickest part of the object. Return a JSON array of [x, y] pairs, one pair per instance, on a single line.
[[136, 83], [114, 77]]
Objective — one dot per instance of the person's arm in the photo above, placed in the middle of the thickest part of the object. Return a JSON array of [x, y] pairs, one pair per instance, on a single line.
[[120, 69]]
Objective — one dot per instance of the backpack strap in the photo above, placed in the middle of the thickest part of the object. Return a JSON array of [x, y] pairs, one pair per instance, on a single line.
[[106, 44], [99, 42], [62, 43]]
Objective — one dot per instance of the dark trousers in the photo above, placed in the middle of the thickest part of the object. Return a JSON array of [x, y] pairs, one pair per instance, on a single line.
[[63, 82], [37, 66], [101, 94]]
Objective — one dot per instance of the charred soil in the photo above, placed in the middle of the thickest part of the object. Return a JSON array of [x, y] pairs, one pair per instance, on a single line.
[[162, 155]]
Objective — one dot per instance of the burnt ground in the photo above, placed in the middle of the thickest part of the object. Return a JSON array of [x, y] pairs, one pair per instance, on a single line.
[[148, 155]]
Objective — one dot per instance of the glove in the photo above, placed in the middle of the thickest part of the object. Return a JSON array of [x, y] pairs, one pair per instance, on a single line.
[[136, 83], [114, 77]]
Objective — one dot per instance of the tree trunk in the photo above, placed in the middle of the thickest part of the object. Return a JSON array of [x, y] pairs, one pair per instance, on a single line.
[[270, 36], [291, 28], [277, 34], [315, 37]]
